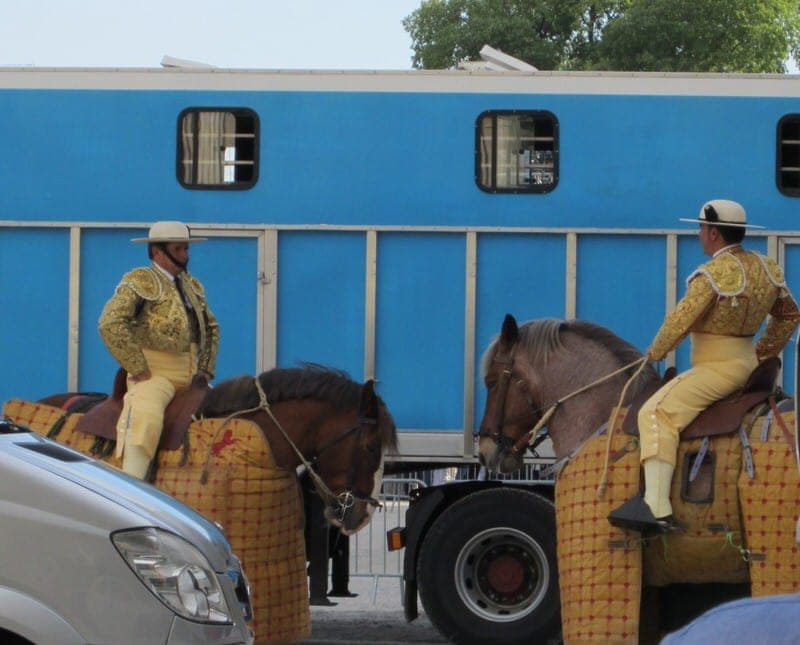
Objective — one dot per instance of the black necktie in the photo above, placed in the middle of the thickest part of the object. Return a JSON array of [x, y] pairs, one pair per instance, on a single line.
[[194, 323]]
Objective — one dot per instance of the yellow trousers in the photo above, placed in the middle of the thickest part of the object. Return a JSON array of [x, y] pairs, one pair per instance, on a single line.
[[720, 366], [142, 419]]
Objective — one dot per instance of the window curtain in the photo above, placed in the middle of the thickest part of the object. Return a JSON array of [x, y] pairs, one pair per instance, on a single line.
[[508, 151]]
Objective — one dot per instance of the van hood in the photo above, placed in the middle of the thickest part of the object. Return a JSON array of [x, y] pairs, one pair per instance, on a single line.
[[154, 507]]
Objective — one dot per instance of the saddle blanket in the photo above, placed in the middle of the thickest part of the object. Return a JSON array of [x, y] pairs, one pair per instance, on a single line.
[[741, 526]]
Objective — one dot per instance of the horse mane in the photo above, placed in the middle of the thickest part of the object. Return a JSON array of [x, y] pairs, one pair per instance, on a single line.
[[309, 381], [540, 339], [622, 350]]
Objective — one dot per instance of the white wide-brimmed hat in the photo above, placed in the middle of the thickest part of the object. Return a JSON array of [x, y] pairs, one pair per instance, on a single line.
[[169, 232], [722, 212]]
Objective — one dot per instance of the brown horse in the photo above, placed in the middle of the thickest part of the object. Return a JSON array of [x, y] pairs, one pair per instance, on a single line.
[[740, 536], [528, 368], [341, 428]]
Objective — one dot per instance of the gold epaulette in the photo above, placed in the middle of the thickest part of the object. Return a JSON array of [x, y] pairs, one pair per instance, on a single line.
[[725, 273], [773, 270], [143, 282]]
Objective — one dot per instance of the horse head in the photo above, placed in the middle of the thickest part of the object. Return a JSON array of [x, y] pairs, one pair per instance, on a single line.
[[361, 451], [317, 416], [510, 411], [555, 373]]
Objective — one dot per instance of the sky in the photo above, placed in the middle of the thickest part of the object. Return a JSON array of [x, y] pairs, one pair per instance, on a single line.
[[272, 34], [262, 34]]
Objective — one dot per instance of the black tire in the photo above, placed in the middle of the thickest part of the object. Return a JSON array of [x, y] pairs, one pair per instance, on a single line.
[[487, 569], [10, 638]]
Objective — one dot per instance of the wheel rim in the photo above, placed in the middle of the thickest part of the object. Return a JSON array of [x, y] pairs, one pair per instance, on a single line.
[[502, 574]]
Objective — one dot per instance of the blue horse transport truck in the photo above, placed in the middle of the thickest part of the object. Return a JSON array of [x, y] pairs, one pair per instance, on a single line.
[[384, 223]]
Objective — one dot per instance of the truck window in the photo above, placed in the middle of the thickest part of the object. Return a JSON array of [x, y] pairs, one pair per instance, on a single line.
[[788, 170], [217, 148], [516, 151]]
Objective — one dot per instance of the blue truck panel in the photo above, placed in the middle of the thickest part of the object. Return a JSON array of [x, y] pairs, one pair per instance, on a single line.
[[345, 157], [792, 268], [420, 343], [390, 158], [321, 313], [228, 269], [34, 301], [609, 296], [518, 274], [106, 255]]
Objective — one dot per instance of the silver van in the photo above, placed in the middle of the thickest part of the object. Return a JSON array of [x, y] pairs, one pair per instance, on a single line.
[[90, 555]]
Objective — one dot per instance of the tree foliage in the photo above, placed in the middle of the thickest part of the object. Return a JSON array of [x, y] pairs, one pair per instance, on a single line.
[[702, 36], [639, 35], [545, 33]]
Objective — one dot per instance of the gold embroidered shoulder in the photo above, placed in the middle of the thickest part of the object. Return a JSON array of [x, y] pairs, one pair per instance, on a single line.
[[144, 282], [732, 295], [147, 311], [725, 273]]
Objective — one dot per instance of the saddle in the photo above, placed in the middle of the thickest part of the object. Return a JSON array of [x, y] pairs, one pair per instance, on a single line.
[[101, 420], [723, 416]]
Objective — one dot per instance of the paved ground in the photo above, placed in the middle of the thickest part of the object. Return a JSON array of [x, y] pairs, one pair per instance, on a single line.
[[359, 620]]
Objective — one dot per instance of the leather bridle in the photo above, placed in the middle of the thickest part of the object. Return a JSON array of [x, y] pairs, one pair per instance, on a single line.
[[542, 414], [349, 496], [495, 430]]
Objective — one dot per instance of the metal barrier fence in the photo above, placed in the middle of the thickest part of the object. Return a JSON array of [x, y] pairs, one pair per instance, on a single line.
[[369, 556]]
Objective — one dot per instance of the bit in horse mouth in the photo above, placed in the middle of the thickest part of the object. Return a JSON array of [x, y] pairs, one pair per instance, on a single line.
[[332, 517]]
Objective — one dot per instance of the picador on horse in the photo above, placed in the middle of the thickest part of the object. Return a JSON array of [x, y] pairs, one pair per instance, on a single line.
[[159, 328], [232, 452], [726, 302], [607, 411]]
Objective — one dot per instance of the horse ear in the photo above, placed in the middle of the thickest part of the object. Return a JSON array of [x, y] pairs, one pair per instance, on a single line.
[[510, 332], [368, 405]]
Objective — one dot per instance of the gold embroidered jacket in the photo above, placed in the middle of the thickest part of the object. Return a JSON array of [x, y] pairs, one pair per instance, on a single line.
[[146, 311], [732, 295]]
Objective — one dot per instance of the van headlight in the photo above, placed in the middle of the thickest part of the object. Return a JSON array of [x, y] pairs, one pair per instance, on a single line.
[[176, 572]]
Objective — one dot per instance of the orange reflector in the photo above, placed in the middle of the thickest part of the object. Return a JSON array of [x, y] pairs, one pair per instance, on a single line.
[[396, 538]]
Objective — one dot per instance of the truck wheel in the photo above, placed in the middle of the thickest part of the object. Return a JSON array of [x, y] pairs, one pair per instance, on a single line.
[[487, 569]]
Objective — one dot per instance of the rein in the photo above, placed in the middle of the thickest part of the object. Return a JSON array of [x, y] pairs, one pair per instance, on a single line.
[[346, 498], [609, 426], [601, 489], [529, 437]]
